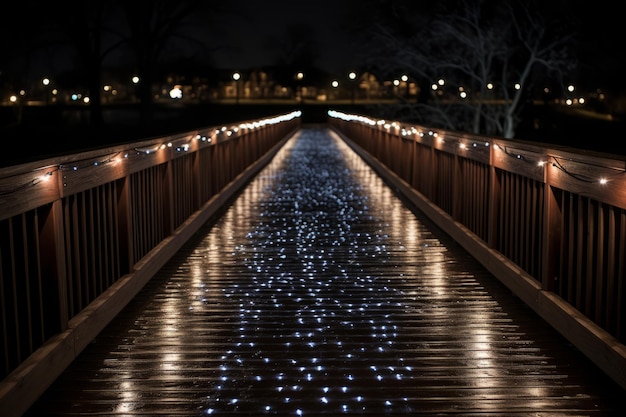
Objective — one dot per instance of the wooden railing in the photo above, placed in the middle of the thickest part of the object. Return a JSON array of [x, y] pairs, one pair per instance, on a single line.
[[549, 222], [81, 234]]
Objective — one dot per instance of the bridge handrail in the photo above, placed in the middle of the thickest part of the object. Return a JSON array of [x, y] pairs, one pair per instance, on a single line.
[[549, 222], [81, 234]]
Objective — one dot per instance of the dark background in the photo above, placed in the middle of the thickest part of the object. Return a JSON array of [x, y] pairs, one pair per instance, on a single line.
[[245, 34]]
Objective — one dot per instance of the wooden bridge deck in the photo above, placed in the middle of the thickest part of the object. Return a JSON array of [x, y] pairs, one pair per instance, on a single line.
[[319, 292]]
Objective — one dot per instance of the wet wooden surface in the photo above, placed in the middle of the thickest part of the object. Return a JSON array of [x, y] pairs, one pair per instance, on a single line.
[[317, 292]]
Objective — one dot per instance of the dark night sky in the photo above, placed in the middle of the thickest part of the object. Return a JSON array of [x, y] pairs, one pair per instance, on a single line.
[[251, 33], [255, 31], [601, 48]]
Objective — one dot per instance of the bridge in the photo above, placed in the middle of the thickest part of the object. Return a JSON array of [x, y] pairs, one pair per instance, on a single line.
[[270, 267]]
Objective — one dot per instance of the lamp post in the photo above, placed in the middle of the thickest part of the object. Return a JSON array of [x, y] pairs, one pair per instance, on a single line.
[[46, 86], [135, 81], [405, 80], [236, 77], [299, 77], [352, 77], [334, 84]]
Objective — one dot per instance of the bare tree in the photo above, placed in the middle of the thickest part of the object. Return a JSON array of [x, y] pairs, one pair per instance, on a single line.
[[84, 24], [477, 63], [74, 26], [87, 32], [159, 27], [296, 51]]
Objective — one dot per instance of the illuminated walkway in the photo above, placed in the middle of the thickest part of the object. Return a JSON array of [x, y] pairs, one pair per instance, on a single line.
[[319, 292]]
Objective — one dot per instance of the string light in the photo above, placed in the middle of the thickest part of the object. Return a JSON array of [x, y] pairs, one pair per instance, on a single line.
[[512, 154], [521, 156], [42, 178], [148, 151], [181, 146], [90, 162], [585, 178]]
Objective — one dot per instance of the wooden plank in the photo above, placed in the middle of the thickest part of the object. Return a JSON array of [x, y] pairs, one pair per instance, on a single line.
[[25, 191], [21, 388], [552, 236], [582, 176], [475, 148], [35, 374], [602, 348], [415, 327], [519, 160]]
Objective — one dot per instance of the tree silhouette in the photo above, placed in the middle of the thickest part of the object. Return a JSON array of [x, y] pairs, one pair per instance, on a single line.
[[153, 28], [84, 25], [489, 56], [296, 50], [74, 25]]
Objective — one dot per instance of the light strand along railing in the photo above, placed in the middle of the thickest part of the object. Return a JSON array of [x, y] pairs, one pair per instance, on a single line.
[[550, 222], [81, 234]]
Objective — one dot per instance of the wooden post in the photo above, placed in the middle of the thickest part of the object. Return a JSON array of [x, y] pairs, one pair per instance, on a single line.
[[551, 234], [52, 249]]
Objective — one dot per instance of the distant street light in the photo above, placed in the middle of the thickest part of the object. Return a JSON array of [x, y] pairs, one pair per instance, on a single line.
[[135, 80], [405, 80], [236, 77], [299, 78], [46, 84], [176, 92], [352, 76], [438, 87]]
